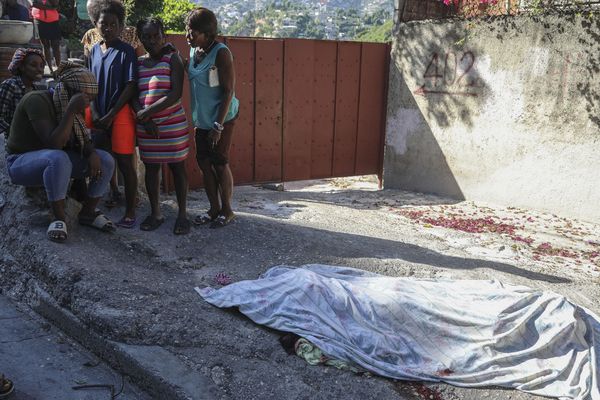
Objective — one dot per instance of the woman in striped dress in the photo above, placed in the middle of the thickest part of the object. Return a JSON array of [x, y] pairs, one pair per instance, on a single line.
[[162, 128]]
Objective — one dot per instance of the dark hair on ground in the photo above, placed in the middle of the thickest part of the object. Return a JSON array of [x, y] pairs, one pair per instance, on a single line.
[[203, 20], [114, 7], [149, 21]]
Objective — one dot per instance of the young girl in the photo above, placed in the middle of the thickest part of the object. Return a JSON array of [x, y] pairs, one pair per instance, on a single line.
[[27, 67], [92, 36], [162, 128], [214, 110], [113, 62]]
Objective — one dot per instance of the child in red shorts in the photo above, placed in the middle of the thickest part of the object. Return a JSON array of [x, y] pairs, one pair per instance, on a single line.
[[113, 62]]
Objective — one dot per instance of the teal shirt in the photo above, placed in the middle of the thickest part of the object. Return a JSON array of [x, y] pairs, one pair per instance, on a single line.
[[82, 13], [206, 93]]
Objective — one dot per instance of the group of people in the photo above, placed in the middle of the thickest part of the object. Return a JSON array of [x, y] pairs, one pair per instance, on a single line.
[[89, 124]]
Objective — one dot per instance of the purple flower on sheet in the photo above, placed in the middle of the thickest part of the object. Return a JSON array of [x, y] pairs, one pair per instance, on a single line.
[[222, 279]]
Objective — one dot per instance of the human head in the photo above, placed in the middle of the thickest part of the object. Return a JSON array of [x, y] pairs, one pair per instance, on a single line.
[[76, 79], [28, 63], [108, 16], [73, 78], [151, 33], [201, 27]]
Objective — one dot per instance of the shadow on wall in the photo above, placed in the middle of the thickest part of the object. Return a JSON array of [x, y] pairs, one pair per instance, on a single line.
[[425, 165], [435, 84], [440, 66], [584, 61], [587, 59], [591, 43]]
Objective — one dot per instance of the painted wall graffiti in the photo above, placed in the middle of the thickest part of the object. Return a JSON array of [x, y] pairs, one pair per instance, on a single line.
[[559, 70], [450, 74]]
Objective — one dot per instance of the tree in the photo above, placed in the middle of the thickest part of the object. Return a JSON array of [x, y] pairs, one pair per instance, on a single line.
[[138, 9], [377, 33], [174, 12]]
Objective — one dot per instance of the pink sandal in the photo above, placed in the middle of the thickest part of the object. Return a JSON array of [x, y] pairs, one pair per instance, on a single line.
[[126, 222]]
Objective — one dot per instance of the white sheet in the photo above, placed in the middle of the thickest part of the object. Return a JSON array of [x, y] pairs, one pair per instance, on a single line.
[[466, 333]]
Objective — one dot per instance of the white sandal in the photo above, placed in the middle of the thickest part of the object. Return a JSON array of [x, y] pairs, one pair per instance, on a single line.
[[99, 221], [57, 231]]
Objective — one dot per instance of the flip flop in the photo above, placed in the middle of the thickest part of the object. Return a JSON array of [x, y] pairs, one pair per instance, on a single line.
[[98, 221], [182, 226], [151, 223], [203, 219], [57, 231], [222, 221], [126, 222]]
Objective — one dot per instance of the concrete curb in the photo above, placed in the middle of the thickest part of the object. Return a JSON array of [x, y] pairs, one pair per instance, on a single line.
[[152, 368]]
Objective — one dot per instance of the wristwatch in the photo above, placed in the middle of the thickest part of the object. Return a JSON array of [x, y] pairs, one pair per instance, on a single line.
[[218, 127]]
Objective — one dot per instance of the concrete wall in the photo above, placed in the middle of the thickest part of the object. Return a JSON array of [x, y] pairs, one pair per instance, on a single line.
[[505, 111]]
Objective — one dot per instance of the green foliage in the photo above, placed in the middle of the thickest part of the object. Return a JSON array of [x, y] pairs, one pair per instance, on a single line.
[[243, 27], [174, 12], [287, 18], [138, 9], [378, 33], [348, 23]]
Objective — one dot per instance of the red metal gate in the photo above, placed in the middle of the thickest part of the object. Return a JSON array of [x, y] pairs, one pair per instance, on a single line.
[[308, 109]]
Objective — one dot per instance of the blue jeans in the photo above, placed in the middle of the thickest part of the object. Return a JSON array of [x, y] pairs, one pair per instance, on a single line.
[[54, 169]]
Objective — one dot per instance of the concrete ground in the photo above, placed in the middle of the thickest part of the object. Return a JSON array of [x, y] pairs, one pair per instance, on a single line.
[[45, 364], [129, 296]]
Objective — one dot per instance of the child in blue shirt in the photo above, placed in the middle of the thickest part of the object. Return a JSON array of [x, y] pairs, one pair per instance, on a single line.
[[114, 64]]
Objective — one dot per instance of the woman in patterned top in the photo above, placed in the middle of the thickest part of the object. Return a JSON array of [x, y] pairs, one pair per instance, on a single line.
[[27, 67], [162, 129]]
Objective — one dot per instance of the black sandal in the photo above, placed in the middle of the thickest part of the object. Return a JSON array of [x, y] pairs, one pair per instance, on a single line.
[[150, 223], [182, 226]]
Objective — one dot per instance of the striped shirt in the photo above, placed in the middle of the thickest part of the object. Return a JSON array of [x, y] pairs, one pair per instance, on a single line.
[[172, 145]]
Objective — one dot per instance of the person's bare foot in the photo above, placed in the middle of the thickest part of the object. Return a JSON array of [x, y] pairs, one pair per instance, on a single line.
[[222, 221]]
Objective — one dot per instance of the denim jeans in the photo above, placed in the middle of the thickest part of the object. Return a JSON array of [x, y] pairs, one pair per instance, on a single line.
[[54, 169]]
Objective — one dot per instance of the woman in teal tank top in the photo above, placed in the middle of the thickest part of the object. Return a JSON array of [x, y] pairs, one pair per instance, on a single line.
[[214, 109]]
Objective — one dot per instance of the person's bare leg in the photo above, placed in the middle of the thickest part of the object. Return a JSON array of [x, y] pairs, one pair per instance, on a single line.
[[56, 50], [114, 187], [89, 206], [152, 180], [225, 179], [210, 187], [181, 187], [125, 162], [182, 224], [46, 47], [58, 209]]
